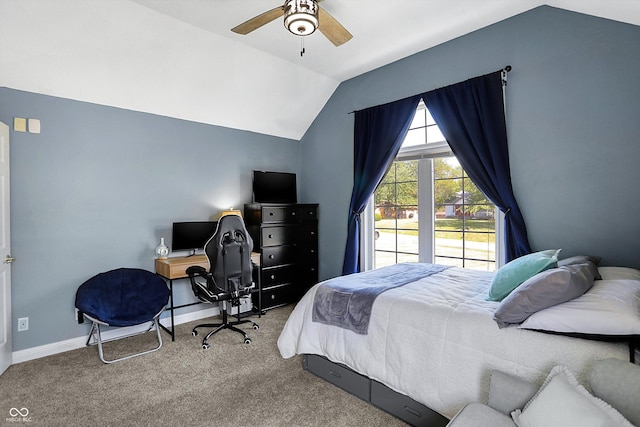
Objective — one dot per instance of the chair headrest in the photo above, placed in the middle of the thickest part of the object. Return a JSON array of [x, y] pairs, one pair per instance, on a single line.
[[231, 230]]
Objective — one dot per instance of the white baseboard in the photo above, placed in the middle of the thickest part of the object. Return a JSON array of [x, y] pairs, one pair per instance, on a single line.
[[79, 342]]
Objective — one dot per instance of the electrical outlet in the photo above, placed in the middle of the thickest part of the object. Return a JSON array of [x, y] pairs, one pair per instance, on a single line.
[[23, 324]]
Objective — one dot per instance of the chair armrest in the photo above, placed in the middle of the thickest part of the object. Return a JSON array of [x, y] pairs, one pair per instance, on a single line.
[[196, 270], [208, 291], [508, 393]]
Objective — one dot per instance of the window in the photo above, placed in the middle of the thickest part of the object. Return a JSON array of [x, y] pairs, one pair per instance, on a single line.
[[427, 209], [396, 215]]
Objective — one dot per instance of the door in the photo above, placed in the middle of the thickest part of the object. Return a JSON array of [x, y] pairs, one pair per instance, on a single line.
[[5, 253]]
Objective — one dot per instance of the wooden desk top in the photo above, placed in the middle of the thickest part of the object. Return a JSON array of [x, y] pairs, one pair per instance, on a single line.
[[176, 267]]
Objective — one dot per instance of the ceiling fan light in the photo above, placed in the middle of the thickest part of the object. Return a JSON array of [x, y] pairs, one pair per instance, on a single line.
[[301, 16]]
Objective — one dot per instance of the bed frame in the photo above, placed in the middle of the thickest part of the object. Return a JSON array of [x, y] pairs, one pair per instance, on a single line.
[[397, 404], [445, 387], [373, 392]]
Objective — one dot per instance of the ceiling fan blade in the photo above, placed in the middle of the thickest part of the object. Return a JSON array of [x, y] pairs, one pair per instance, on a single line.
[[332, 29], [259, 21]]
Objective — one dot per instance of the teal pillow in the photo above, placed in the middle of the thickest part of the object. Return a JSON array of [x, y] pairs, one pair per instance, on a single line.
[[515, 272]]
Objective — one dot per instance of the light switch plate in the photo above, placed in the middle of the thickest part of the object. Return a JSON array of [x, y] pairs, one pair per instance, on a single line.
[[19, 124], [34, 126]]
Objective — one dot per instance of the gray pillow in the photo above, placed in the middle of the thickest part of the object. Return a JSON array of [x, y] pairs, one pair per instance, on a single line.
[[581, 259], [546, 289]]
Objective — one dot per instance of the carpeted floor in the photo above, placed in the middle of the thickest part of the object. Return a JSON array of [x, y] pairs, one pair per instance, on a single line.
[[230, 384]]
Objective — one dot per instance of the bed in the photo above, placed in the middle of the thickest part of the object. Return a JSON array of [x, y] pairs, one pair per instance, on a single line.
[[434, 339]]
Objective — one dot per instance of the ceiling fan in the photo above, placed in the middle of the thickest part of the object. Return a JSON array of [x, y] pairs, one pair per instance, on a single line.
[[301, 17]]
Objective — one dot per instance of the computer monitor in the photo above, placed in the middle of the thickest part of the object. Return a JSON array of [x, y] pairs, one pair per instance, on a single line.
[[192, 235]]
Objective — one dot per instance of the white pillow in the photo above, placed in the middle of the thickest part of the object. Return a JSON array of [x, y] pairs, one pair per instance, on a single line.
[[610, 307], [561, 401], [611, 273]]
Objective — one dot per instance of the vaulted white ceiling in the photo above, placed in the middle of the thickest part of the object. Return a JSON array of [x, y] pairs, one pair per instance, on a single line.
[[178, 58]]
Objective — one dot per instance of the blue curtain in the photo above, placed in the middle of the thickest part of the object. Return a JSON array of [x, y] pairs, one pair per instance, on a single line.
[[471, 117], [378, 135]]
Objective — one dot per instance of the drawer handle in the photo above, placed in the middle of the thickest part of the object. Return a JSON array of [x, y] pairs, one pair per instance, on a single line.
[[412, 411], [313, 233], [270, 236], [335, 374], [271, 214], [273, 276], [273, 297], [293, 213], [272, 256]]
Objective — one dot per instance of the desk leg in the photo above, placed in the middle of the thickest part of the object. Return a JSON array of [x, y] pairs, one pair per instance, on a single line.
[[259, 293], [173, 326], [171, 309]]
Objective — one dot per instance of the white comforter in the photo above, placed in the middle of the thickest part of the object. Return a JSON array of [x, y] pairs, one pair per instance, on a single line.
[[435, 340]]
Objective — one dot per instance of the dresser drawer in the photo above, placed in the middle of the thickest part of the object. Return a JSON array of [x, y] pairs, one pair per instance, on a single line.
[[338, 375], [278, 214], [307, 212], [308, 234], [278, 275], [274, 236], [273, 297], [307, 252], [278, 255], [308, 275]]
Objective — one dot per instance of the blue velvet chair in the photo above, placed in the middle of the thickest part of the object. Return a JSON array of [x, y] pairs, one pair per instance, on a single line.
[[122, 297]]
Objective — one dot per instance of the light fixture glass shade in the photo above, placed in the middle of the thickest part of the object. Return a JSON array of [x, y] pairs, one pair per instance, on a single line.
[[301, 16]]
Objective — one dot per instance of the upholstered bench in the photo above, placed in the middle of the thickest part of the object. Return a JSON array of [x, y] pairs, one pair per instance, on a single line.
[[614, 384]]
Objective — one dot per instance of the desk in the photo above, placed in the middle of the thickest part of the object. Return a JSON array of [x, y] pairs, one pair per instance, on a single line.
[[176, 268]]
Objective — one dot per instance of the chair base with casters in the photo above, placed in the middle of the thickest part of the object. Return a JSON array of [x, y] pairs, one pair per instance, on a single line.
[[205, 295], [120, 298], [225, 324]]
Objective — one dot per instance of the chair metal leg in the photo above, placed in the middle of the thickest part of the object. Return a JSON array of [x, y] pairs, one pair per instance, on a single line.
[[95, 333]]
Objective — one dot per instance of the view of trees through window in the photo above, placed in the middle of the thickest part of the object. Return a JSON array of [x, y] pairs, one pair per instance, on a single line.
[[460, 225], [464, 219]]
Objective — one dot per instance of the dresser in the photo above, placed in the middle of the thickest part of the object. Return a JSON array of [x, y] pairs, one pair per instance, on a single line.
[[286, 236]]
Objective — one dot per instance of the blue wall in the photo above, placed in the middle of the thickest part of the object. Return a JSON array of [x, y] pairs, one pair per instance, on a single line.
[[100, 186], [573, 99]]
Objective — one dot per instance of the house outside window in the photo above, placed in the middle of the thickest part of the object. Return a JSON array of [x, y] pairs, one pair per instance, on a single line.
[[427, 209]]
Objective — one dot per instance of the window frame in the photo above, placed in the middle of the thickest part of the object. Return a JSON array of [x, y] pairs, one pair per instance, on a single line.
[[426, 226]]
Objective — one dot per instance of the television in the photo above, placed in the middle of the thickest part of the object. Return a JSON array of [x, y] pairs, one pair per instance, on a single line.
[[274, 187], [191, 235]]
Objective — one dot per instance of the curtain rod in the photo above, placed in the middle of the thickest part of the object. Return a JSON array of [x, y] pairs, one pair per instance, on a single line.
[[506, 69]]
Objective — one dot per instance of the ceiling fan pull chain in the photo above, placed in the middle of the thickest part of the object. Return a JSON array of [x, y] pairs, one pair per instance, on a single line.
[[302, 51]]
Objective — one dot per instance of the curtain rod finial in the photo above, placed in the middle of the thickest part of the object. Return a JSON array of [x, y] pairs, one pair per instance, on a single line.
[[507, 68]]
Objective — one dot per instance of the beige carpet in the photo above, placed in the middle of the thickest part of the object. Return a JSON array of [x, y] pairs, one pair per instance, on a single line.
[[230, 384]]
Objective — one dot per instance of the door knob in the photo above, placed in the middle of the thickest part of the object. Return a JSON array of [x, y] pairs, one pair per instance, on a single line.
[[9, 259]]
